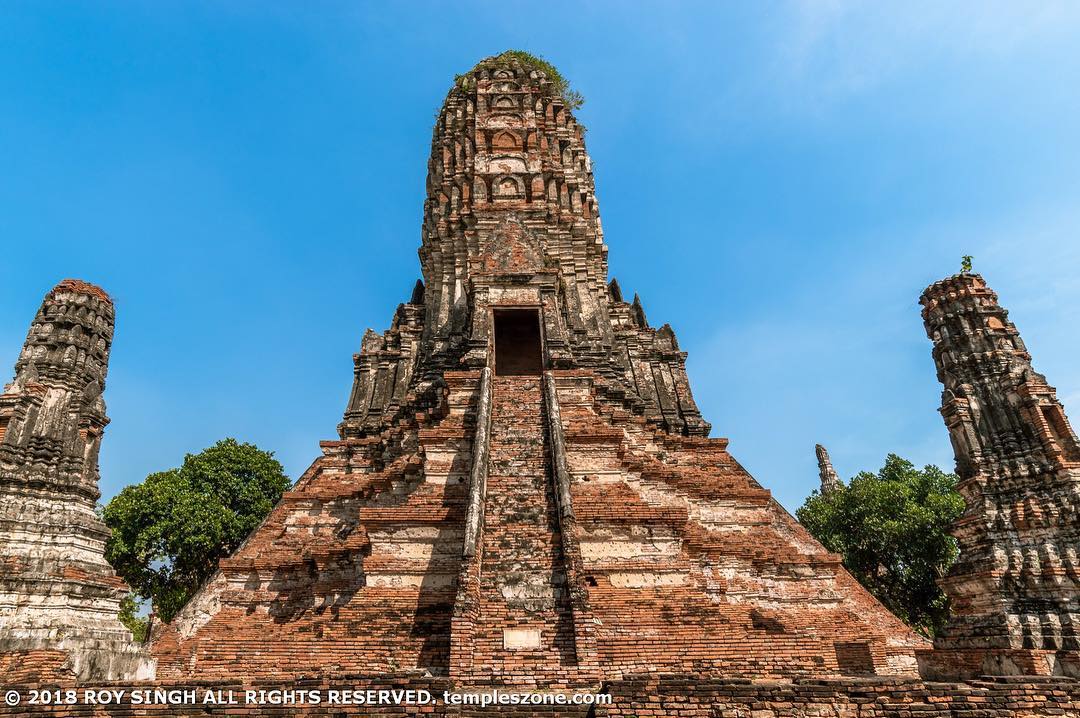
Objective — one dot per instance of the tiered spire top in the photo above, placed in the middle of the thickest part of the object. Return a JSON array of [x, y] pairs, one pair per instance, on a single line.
[[830, 481]]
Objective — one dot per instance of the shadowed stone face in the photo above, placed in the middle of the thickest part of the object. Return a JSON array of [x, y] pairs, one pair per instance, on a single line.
[[57, 592]]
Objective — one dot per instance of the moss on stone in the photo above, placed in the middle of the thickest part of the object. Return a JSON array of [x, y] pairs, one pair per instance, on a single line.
[[573, 99]]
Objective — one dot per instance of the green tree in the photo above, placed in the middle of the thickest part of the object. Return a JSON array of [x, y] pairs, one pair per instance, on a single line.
[[892, 530], [129, 616], [169, 532]]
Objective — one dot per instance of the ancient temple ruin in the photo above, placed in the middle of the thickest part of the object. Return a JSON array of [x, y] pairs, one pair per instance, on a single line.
[[522, 491], [830, 481], [523, 495], [1015, 590], [59, 598]]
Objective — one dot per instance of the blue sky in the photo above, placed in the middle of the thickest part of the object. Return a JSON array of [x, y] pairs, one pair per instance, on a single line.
[[779, 181]]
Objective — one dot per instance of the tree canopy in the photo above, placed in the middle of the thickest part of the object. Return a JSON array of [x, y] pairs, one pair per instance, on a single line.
[[892, 530], [169, 532]]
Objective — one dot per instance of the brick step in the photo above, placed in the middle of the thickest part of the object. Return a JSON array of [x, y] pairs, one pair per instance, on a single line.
[[543, 558], [533, 480], [525, 448], [518, 466], [518, 447], [504, 436]]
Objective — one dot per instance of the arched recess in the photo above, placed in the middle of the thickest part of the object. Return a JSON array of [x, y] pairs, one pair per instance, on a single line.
[[508, 187], [504, 141]]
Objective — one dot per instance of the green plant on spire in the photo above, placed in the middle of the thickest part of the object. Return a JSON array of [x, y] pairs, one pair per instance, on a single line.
[[965, 263], [573, 99]]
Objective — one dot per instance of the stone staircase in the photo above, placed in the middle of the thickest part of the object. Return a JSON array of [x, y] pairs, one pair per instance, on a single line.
[[525, 631]]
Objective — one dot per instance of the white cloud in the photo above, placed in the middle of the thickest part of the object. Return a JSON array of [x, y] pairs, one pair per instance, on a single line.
[[838, 47]]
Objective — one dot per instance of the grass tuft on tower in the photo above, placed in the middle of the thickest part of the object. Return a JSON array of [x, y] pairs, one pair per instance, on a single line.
[[573, 99]]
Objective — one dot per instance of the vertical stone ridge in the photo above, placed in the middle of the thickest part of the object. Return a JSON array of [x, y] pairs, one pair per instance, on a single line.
[[829, 479], [584, 636], [57, 592], [467, 601], [1014, 590]]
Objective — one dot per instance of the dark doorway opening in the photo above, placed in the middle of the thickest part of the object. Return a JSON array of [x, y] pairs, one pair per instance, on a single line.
[[517, 342]]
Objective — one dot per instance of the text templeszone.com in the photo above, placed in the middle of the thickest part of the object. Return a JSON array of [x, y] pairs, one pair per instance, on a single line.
[[203, 696]]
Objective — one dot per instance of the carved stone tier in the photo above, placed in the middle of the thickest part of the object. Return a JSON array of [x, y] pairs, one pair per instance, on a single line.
[[59, 598], [1015, 590]]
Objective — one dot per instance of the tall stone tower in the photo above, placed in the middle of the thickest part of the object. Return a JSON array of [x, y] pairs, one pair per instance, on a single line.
[[522, 491], [829, 479], [59, 598], [511, 235], [1015, 590]]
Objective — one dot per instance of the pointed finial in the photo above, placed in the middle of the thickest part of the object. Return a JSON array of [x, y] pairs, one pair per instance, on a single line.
[[639, 312], [615, 290], [829, 479]]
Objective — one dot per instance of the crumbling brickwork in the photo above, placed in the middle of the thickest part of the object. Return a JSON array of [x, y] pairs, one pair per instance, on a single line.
[[552, 525], [59, 598], [1014, 590]]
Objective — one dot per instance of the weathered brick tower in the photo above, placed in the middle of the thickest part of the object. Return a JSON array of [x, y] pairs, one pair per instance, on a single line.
[[523, 492], [1015, 590], [830, 481], [59, 598]]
